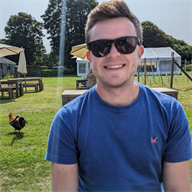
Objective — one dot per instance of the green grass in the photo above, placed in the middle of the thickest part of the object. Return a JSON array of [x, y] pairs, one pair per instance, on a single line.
[[22, 163]]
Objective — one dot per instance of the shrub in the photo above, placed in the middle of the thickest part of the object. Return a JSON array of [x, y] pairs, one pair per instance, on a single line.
[[188, 67], [68, 71], [8, 76], [49, 72]]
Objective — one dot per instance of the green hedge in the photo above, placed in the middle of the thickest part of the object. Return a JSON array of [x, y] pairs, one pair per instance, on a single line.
[[50, 73]]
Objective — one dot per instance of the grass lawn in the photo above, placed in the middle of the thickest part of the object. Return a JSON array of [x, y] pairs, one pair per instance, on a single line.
[[22, 163]]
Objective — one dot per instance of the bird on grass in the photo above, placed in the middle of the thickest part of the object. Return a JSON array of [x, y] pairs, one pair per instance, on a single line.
[[17, 122]]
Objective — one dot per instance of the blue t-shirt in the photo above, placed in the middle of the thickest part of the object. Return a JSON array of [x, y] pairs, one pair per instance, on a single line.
[[120, 148]]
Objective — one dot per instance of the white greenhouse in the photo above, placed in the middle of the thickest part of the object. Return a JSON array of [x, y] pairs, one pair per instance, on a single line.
[[159, 61]]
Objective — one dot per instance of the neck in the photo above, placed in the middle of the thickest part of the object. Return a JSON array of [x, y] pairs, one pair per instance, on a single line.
[[118, 96]]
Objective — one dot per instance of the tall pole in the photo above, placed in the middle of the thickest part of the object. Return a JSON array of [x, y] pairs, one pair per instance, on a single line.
[[145, 71], [138, 71], [185, 64]]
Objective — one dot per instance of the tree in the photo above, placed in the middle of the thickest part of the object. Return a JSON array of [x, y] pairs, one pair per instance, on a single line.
[[182, 48], [23, 30], [76, 16], [2, 41], [50, 60], [185, 51], [155, 37]]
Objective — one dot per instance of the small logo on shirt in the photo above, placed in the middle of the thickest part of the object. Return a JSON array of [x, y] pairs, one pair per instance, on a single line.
[[153, 140]]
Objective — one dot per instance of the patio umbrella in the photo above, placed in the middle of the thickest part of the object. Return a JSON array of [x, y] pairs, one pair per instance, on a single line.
[[22, 67], [9, 50], [79, 51]]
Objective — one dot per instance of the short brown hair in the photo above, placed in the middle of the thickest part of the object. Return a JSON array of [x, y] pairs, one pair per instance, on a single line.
[[109, 10]]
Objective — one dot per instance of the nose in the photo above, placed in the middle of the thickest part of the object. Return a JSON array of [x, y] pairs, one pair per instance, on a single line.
[[113, 52]]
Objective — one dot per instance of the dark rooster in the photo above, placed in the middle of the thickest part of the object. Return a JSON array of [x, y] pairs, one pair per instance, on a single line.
[[17, 122]]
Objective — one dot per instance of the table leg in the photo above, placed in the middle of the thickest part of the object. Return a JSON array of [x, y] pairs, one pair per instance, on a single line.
[[21, 89], [17, 89], [77, 84], [40, 85]]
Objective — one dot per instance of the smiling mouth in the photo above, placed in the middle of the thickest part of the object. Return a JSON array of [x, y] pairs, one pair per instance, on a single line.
[[114, 66]]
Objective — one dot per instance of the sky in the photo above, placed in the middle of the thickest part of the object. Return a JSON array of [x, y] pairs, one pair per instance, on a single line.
[[174, 17]]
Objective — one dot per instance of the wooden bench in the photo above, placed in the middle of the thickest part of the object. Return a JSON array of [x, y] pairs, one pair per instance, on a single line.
[[80, 84], [8, 89], [32, 85]]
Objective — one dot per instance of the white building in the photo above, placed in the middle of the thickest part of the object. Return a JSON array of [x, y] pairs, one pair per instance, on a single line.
[[82, 66], [7, 66], [159, 61]]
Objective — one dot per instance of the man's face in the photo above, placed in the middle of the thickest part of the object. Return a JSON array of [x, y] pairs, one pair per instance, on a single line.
[[114, 69]]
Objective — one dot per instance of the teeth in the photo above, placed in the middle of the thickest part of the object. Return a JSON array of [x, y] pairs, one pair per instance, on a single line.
[[114, 67]]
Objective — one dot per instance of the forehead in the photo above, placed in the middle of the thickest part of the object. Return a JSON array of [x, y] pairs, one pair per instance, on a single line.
[[112, 29]]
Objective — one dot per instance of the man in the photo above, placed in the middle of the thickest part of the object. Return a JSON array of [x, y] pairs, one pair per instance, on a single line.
[[119, 135]]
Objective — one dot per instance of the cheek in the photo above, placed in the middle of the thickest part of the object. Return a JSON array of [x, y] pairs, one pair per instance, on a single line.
[[94, 63], [136, 59], [94, 67]]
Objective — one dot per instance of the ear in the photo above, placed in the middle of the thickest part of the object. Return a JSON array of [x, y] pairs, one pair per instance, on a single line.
[[141, 51], [88, 56]]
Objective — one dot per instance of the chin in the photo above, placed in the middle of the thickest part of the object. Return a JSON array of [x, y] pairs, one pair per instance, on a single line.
[[115, 84]]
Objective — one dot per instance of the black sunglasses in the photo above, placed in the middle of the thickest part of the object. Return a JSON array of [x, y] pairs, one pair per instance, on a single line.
[[124, 45]]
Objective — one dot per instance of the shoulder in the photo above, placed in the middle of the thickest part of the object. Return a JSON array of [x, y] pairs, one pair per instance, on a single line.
[[70, 114], [168, 104], [157, 96], [76, 105], [162, 102]]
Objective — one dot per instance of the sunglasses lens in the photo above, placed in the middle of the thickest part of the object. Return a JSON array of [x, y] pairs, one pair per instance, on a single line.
[[100, 48], [126, 45]]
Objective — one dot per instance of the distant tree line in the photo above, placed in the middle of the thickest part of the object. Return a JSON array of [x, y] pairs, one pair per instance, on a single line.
[[23, 30], [76, 16], [155, 37]]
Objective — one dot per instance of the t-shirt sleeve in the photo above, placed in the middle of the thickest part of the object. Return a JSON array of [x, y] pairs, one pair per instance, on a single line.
[[61, 143], [178, 144]]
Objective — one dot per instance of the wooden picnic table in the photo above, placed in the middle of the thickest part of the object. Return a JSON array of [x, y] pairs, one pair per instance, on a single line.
[[69, 95], [80, 84], [15, 85], [36, 85], [167, 91]]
